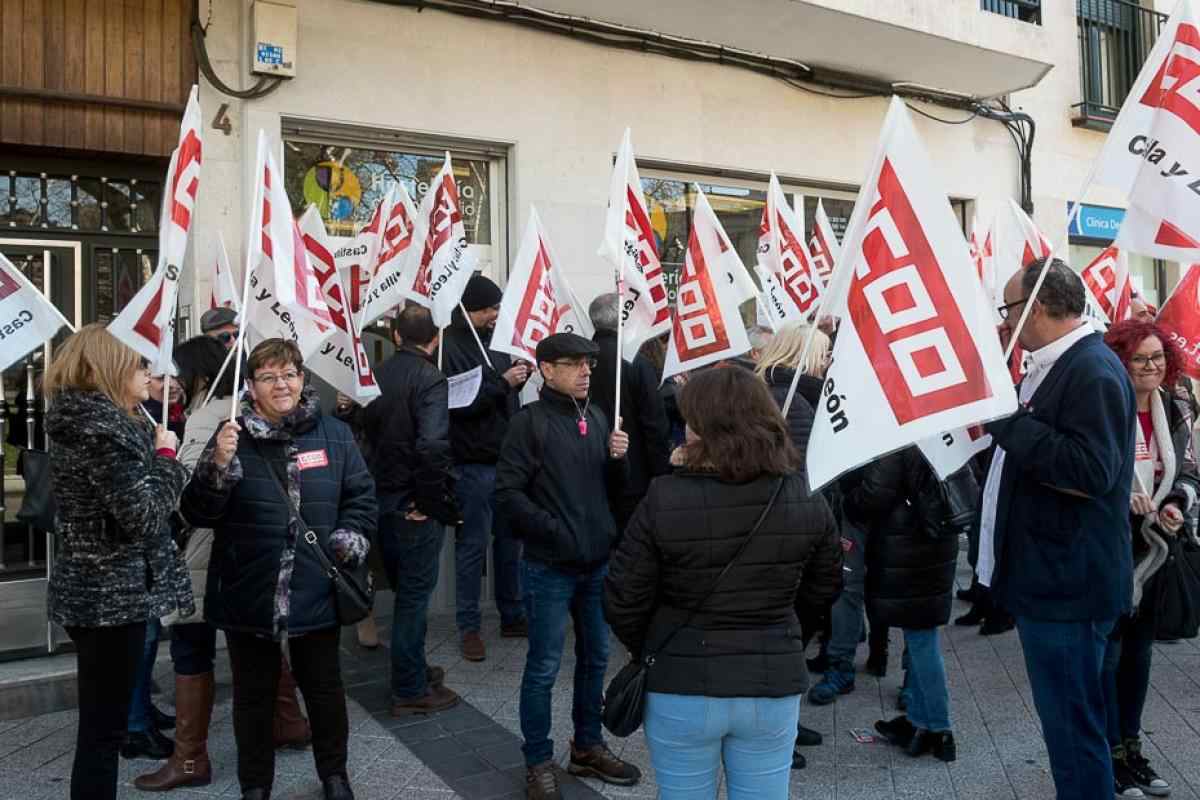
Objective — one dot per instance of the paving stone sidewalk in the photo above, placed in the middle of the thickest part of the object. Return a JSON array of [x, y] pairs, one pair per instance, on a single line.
[[473, 751]]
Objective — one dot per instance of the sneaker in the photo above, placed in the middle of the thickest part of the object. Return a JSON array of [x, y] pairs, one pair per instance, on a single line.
[[435, 699], [541, 782], [515, 630], [472, 647], [836, 681], [599, 762], [1144, 775], [898, 731], [1124, 782]]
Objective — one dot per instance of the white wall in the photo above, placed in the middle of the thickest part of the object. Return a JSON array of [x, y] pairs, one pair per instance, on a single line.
[[563, 105]]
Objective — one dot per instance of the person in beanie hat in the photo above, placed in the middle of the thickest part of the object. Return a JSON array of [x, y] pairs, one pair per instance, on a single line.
[[476, 432], [559, 464]]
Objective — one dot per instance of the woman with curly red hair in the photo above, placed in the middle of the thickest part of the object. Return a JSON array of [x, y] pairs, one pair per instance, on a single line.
[[1166, 485]]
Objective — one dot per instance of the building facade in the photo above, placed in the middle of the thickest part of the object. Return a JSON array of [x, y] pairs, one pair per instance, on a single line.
[[531, 100]]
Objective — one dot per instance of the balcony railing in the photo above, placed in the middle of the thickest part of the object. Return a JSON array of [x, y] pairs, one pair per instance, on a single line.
[[1115, 37], [1024, 10]]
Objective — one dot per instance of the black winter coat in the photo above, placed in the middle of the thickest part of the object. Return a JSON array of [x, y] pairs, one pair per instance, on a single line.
[[642, 411], [745, 641], [477, 431], [909, 574], [408, 426], [554, 485], [254, 534], [800, 415]]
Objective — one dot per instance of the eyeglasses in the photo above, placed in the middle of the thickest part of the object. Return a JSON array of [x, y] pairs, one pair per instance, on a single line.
[[577, 363], [271, 380], [1004, 309], [1141, 362]]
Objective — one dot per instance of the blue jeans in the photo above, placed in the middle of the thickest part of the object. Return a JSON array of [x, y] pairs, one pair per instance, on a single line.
[[410, 553], [476, 490], [846, 616], [1064, 661], [193, 648], [1127, 678], [139, 704], [550, 597], [928, 699], [690, 736]]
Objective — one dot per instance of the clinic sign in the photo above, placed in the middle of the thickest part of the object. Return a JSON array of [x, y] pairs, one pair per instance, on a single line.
[[1096, 222]]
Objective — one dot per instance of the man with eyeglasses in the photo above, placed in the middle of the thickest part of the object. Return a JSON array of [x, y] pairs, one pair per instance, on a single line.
[[559, 464], [221, 324], [1054, 529]]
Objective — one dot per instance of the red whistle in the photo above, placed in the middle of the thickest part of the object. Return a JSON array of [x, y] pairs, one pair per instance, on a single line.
[[583, 427]]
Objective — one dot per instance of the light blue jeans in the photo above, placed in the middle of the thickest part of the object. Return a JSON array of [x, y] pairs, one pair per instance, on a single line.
[[691, 735], [928, 697]]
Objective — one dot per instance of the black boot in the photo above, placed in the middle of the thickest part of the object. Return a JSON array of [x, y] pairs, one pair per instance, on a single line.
[[975, 616], [798, 760], [337, 788], [147, 744], [807, 737], [997, 622], [940, 744]]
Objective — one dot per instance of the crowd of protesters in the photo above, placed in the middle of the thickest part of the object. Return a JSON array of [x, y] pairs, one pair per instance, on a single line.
[[684, 526]]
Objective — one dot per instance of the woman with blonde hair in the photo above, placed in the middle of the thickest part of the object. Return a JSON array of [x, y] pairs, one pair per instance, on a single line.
[[777, 366], [116, 482]]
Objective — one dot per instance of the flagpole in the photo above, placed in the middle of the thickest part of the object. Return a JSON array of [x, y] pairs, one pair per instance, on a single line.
[[220, 374], [1037, 286], [616, 420], [241, 339], [475, 333], [804, 351], [441, 336]]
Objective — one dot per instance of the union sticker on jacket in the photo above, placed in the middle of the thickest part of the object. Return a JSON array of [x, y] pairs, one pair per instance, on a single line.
[[312, 458]]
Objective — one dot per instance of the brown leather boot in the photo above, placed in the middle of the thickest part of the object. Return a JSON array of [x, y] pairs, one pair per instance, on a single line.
[[291, 726], [189, 764]]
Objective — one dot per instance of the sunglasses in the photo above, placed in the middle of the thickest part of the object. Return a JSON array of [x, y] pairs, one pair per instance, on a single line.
[[225, 337]]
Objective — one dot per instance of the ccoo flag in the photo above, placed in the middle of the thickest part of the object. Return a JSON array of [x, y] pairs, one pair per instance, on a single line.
[[388, 243], [27, 319], [826, 252], [917, 353], [707, 325], [781, 251], [437, 274], [1180, 318], [1107, 280], [538, 301]]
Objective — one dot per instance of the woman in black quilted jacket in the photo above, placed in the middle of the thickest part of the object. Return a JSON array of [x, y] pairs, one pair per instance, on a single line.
[[116, 483], [726, 688], [266, 583]]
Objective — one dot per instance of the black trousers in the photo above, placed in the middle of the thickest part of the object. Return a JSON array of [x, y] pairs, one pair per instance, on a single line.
[[317, 668], [107, 661]]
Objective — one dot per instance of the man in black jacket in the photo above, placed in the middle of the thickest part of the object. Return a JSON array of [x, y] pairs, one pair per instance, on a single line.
[[409, 427], [645, 417], [476, 432], [559, 463], [1054, 531]]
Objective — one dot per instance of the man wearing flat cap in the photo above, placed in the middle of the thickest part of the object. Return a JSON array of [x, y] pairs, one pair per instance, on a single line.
[[559, 465], [476, 432], [221, 324]]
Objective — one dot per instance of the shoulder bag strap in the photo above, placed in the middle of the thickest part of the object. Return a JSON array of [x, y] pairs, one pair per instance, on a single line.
[[649, 658], [310, 536]]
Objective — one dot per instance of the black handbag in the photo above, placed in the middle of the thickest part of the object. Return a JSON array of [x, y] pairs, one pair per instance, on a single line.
[[1177, 591], [353, 590], [37, 506], [625, 697]]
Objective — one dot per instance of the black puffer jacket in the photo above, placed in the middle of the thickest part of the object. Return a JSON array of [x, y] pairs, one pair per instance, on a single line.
[[800, 415], [262, 577], [408, 427], [115, 562], [554, 485], [745, 641], [477, 431], [909, 574]]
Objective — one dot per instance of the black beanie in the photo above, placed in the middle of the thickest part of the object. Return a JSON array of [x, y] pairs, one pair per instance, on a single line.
[[481, 293]]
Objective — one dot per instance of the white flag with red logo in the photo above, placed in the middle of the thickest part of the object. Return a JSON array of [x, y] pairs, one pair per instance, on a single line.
[[824, 247], [340, 360], [1153, 150], [1180, 318], [27, 319], [629, 245], [916, 353], [147, 322], [285, 298], [389, 242], [782, 252], [437, 274], [1107, 279], [538, 301], [224, 288], [774, 302], [707, 324]]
